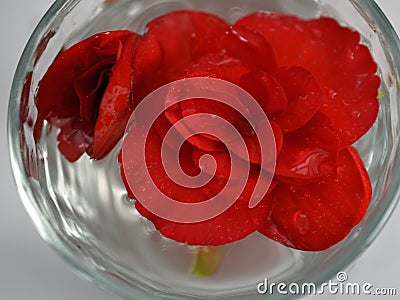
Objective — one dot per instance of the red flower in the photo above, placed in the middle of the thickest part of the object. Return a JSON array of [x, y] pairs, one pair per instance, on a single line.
[[86, 92], [312, 78], [320, 107]]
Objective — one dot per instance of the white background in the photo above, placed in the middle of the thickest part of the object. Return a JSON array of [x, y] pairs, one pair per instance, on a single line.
[[29, 269]]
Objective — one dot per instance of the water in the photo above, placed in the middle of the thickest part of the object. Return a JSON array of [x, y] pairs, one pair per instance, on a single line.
[[92, 203], [87, 204]]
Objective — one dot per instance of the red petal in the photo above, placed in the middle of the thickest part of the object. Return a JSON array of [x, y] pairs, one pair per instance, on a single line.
[[147, 73], [181, 34], [352, 107], [171, 42], [266, 90], [196, 106], [252, 153], [162, 126], [159, 176], [286, 34], [222, 65], [308, 152], [352, 90], [304, 97], [224, 162], [116, 104], [316, 216], [278, 136], [173, 114], [210, 107], [348, 80], [125, 181], [61, 92], [234, 224], [207, 142], [244, 44], [90, 86], [183, 109]]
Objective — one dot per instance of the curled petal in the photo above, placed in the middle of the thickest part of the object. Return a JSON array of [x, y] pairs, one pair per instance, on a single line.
[[316, 216], [90, 86], [147, 73], [203, 141], [266, 90], [202, 126], [116, 104], [303, 94], [70, 93], [309, 152]]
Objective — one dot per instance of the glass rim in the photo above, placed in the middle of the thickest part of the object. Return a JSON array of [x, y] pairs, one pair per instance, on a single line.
[[365, 238]]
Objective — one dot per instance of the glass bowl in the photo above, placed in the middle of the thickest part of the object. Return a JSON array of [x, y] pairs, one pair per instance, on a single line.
[[82, 211]]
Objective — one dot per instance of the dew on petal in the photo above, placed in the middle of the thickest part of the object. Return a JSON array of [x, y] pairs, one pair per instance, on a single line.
[[356, 114], [301, 222], [308, 162]]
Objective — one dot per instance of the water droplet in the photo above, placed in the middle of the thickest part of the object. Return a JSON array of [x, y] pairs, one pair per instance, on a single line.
[[346, 102], [350, 54], [355, 114], [332, 94], [301, 222], [128, 201], [309, 161], [239, 36], [317, 33], [292, 188], [148, 228], [304, 97], [350, 134], [339, 172], [236, 13], [193, 249], [298, 28]]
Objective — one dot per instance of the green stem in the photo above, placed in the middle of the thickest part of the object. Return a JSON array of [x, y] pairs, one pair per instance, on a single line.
[[207, 261], [381, 94]]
